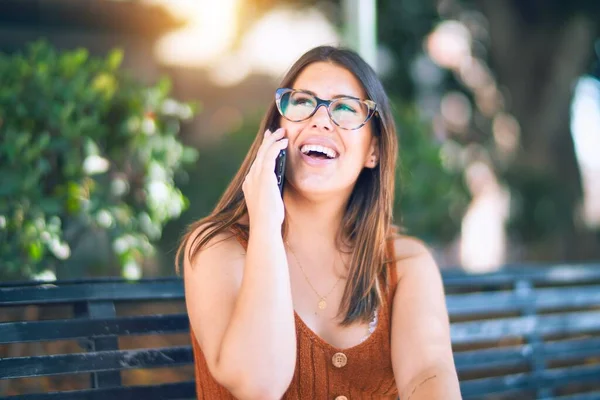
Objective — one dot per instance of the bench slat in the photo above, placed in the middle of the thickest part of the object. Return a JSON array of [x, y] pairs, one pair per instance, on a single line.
[[490, 330], [559, 274], [179, 390], [476, 360], [57, 293], [81, 281], [547, 379], [578, 396], [573, 349], [541, 299], [34, 331], [111, 360]]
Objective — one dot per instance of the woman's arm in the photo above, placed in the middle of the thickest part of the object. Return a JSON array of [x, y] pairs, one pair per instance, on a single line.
[[421, 347], [240, 306], [241, 311]]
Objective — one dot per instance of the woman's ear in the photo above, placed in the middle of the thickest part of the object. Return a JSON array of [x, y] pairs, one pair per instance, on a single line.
[[373, 154]]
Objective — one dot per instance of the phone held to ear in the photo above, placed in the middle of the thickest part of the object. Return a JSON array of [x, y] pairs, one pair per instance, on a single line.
[[280, 169]]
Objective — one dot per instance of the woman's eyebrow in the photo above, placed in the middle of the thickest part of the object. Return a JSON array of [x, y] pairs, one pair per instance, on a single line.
[[337, 96]]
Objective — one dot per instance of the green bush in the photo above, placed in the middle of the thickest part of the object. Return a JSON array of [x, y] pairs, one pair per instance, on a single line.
[[87, 155]]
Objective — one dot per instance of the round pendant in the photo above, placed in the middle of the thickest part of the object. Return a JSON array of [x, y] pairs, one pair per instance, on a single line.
[[322, 304]]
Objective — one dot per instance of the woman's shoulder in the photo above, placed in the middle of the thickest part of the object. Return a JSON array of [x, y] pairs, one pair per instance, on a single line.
[[406, 246], [205, 242], [410, 252]]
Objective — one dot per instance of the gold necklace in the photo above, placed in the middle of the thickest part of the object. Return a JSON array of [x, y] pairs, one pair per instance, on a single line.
[[322, 299]]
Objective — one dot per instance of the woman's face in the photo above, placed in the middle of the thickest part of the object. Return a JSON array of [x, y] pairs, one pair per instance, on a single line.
[[353, 149]]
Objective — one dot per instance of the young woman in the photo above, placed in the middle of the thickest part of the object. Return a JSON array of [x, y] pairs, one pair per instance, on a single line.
[[311, 294]]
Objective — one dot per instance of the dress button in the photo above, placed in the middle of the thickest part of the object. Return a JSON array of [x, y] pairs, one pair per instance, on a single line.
[[341, 398], [339, 360]]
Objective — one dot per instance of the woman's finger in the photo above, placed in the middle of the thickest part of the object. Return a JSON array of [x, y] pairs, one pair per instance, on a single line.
[[272, 153], [269, 139], [266, 144]]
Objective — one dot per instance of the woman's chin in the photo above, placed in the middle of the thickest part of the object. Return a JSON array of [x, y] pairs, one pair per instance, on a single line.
[[313, 188]]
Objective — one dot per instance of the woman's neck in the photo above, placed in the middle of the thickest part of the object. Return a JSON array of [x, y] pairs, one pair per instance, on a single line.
[[314, 221]]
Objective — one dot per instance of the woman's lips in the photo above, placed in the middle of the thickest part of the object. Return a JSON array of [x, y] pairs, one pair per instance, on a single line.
[[317, 162]]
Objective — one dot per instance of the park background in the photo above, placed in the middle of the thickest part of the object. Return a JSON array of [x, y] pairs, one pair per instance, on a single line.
[[497, 104], [121, 122]]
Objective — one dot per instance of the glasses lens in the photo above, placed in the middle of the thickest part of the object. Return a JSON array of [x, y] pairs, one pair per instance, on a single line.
[[349, 113], [297, 106]]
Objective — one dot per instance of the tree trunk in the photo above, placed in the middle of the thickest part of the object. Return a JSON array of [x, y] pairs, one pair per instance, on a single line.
[[538, 61]]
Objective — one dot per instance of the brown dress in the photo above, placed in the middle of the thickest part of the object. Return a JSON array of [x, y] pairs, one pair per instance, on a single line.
[[324, 371]]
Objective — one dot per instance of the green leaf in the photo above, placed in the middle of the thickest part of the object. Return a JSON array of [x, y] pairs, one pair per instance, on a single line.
[[36, 251], [115, 58]]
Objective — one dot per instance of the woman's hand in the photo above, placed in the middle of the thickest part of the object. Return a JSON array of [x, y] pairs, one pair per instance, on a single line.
[[263, 199]]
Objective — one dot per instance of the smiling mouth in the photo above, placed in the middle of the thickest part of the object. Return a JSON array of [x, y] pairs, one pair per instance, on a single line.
[[318, 152]]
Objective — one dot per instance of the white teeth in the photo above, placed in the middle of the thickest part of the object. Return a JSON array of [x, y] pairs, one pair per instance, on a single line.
[[321, 149]]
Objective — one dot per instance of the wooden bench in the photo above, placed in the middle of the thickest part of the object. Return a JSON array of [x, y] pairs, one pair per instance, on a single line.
[[111, 327], [527, 332], [522, 333]]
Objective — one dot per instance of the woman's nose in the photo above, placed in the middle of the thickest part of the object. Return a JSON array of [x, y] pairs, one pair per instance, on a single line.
[[320, 118]]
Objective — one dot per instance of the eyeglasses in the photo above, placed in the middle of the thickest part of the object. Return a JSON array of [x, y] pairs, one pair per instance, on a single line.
[[345, 111]]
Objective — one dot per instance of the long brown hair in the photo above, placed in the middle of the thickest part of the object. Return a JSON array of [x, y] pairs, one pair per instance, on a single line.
[[367, 221]]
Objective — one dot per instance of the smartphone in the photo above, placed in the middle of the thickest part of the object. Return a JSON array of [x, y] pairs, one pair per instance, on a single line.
[[280, 169]]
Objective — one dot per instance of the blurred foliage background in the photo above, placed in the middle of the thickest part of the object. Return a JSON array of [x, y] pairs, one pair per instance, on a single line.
[[483, 94], [89, 157]]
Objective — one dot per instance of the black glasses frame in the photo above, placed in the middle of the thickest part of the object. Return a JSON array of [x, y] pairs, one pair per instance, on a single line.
[[371, 105]]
